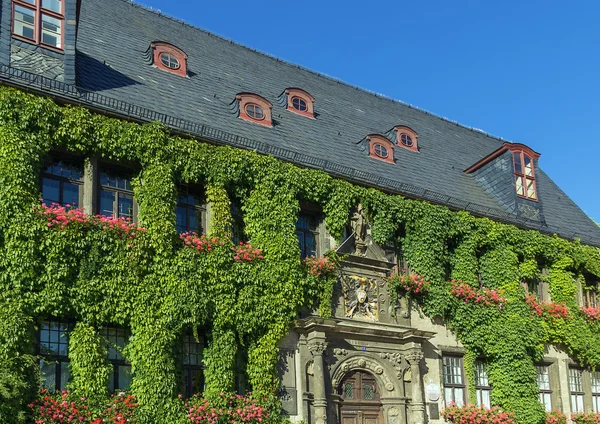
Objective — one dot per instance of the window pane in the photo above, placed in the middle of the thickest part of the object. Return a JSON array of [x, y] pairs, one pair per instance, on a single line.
[[448, 395], [459, 397], [531, 189], [50, 191], [545, 400], [125, 206], [483, 398], [596, 403], [197, 381], [70, 194], [481, 378], [520, 186], [23, 22], [124, 377], [543, 378], [51, 39], [528, 166], [596, 382], [575, 380], [48, 371], [51, 24], [65, 374], [181, 219], [53, 5], [107, 202], [517, 162]]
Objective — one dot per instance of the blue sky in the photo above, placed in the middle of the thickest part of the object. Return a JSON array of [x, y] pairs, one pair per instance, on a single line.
[[526, 71]]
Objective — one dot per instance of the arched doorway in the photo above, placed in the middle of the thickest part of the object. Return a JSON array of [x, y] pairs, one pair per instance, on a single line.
[[361, 400]]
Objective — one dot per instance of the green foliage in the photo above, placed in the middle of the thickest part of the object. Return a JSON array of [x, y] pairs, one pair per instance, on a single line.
[[160, 288]]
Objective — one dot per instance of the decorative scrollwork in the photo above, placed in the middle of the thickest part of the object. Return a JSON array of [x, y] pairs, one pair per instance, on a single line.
[[365, 363]]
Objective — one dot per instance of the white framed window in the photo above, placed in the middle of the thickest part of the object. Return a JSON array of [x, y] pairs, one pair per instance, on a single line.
[[576, 389], [483, 390], [454, 382], [543, 382]]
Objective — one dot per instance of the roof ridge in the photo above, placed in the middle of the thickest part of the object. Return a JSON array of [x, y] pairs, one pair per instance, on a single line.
[[319, 74]]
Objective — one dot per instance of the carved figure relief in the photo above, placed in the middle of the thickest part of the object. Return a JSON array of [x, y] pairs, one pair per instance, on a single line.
[[360, 298]]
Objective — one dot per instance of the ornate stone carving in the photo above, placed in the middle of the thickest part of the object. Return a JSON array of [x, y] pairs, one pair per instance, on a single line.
[[360, 297], [395, 357], [359, 226], [317, 348], [340, 352], [398, 362], [362, 363], [393, 413], [414, 357]]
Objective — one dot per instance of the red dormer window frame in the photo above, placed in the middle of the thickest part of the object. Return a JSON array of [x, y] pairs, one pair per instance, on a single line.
[[160, 48], [523, 160], [524, 170], [296, 96], [376, 141], [407, 138], [251, 100], [35, 6]]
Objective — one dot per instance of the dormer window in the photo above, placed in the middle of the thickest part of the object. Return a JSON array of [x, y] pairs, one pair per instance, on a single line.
[[300, 102], [381, 148], [39, 22], [406, 138], [254, 108], [255, 112], [524, 175], [169, 61], [169, 58]]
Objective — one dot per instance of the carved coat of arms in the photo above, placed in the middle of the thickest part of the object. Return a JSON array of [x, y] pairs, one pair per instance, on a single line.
[[360, 297]]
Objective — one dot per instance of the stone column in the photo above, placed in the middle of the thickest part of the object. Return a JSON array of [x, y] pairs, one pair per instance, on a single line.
[[417, 407], [90, 185], [317, 349]]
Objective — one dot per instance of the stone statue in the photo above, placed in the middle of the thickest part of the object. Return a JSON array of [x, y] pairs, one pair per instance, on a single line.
[[359, 227]]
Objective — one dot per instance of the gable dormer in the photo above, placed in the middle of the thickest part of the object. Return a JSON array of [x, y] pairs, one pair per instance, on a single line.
[[509, 175]]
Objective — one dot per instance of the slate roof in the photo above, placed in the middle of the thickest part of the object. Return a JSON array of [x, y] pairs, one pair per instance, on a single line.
[[113, 36]]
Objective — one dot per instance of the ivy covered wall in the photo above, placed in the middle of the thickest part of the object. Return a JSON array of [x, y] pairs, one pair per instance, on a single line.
[[157, 285]]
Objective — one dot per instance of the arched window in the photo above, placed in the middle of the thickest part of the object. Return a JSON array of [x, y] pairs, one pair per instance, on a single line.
[[254, 108], [381, 148], [169, 58], [300, 102], [407, 138]]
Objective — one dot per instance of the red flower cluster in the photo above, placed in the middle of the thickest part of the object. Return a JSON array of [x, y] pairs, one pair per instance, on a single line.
[[473, 414], [234, 409], [319, 266], [200, 243], [57, 407], [120, 410], [552, 309], [483, 296], [592, 313], [63, 216], [586, 418], [556, 417], [60, 407], [245, 252], [410, 283]]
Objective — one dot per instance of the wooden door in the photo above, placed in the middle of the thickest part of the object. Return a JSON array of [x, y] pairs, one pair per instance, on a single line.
[[361, 403]]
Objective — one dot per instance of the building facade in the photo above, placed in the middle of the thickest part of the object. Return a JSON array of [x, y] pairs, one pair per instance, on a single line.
[[377, 357]]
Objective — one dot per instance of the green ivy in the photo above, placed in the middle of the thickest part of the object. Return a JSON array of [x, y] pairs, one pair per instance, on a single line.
[[160, 289]]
